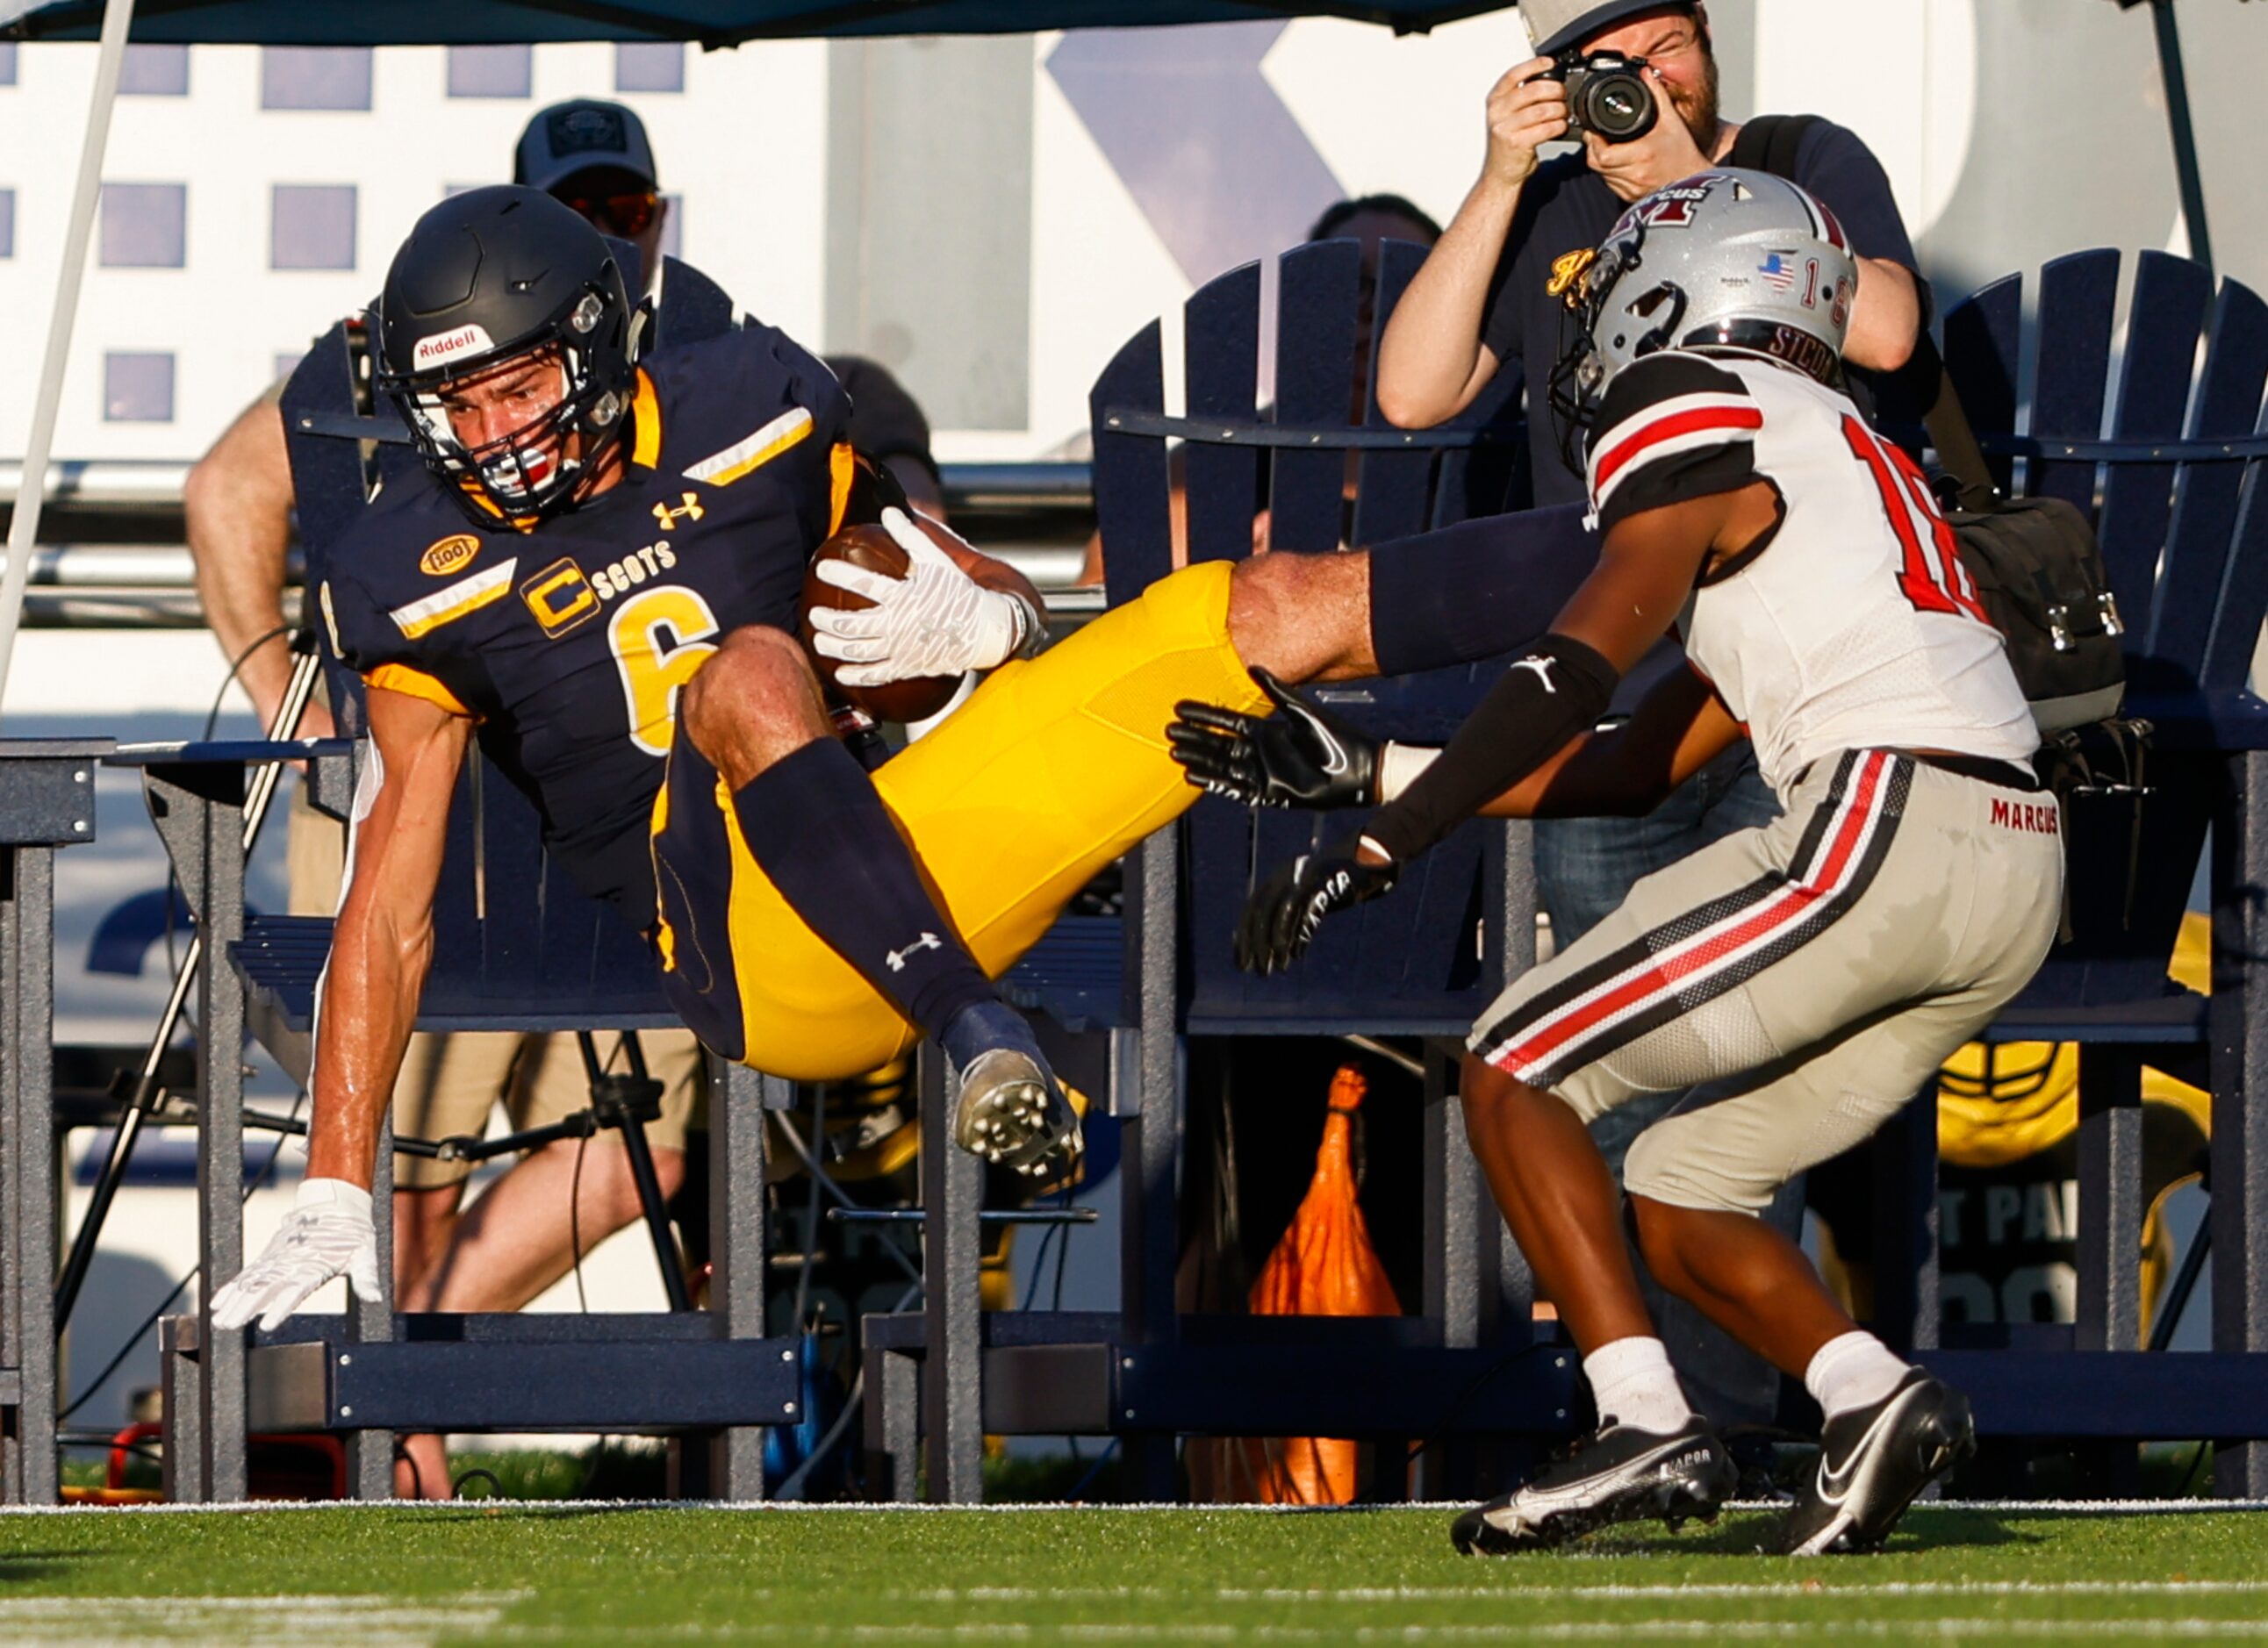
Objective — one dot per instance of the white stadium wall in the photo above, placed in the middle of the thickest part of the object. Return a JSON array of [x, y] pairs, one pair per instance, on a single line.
[[1154, 158]]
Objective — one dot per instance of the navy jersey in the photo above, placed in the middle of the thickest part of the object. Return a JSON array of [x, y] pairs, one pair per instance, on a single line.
[[567, 643]]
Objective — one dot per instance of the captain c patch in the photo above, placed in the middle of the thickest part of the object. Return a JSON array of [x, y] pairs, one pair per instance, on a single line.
[[561, 597]]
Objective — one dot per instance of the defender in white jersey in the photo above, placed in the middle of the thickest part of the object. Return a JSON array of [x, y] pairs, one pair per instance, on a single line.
[[1806, 978]]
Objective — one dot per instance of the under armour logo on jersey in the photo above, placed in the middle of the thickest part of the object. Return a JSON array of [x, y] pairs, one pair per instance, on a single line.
[[1542, 668], [669, 517], [897, 958]]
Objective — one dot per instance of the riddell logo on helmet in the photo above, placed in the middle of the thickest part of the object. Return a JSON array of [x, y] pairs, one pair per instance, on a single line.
[[471, 339]]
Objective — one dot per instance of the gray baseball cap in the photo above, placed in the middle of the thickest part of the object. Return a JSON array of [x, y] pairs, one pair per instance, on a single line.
[[1553, 25], [574, 136]]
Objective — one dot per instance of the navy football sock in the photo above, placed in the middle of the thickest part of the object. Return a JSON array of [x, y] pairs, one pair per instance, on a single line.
[[1477, 590], [980, 1029], [816, 826]]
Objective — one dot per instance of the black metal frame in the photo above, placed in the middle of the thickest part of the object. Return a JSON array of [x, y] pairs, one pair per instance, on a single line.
[[47, 801]]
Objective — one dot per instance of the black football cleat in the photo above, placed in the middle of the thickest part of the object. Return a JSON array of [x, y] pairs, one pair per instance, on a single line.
[[1617, 1473], [1873, 1462]]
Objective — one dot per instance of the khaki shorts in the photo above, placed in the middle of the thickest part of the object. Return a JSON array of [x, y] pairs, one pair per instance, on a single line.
[[1806, 978], [450, 1081]]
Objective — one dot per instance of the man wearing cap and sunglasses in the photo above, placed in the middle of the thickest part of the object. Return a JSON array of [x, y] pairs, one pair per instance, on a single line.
[[518, 1237], [1495, 293], [595, 157]]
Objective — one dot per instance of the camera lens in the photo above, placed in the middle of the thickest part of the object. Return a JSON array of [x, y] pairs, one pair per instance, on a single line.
[[1616, 104]]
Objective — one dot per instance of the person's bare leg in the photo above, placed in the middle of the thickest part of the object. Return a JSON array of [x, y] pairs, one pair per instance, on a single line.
[[424, 1216], [1554, 1190], [518, 1236], [1745, 1277], [515, 1240]]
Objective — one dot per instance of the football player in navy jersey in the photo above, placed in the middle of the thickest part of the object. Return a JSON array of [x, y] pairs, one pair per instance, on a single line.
[[598, 577], [1806, 978]]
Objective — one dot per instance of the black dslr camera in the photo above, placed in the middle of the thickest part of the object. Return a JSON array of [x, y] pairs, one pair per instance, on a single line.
[[1606, 93]]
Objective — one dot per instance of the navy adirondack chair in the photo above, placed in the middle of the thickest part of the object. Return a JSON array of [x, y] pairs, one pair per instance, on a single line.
[[2161, 442], [1420, 964], [2173, 475]]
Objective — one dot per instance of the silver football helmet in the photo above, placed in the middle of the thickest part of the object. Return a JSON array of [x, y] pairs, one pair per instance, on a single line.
[[1725, 260]]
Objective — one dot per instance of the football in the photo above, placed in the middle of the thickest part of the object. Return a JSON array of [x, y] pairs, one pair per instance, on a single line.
[[873, 547]]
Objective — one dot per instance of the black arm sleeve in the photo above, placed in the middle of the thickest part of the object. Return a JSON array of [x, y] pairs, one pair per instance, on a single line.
[[1557, 688]]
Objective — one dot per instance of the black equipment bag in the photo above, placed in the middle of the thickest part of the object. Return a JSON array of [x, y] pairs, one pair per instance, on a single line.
[[2042, 580], [2036, 562]]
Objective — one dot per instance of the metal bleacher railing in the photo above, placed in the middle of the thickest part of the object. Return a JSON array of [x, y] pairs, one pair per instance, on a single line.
[[115, 558]]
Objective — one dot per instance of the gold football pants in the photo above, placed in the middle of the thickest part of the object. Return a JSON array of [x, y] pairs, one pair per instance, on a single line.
[[1051, 769]]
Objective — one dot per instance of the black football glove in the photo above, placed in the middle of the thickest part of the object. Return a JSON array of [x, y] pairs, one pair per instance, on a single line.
[[1300, 756], [1280, 919]]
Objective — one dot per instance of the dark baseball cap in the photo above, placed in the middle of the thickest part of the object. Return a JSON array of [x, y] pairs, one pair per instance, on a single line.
[[1553, 25], [578, 135]]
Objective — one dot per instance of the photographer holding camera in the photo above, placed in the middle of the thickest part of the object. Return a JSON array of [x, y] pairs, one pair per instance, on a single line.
[[1490, 291], [1636, 82]]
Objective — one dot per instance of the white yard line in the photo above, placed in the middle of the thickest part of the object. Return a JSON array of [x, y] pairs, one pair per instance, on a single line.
[[1499, 1631], [2001, 1507], [1793, 1590], [385, 1621]]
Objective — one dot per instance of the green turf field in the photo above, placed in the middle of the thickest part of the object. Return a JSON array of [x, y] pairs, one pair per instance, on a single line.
[[575, 1573]]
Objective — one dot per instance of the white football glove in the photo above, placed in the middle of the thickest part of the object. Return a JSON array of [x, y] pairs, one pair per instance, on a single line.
[[935, 620], [326, 1233]]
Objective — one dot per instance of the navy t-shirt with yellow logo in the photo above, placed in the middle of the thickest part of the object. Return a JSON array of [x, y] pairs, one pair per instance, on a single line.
[[567, 643], [1565, 210]]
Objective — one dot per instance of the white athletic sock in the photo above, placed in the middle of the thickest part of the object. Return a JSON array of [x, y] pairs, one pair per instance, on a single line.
[[1632, 1381], [1854, 1369]]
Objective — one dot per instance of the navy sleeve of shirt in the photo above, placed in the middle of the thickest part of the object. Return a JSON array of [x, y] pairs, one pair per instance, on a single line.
[[886, 422], [1835, 165]]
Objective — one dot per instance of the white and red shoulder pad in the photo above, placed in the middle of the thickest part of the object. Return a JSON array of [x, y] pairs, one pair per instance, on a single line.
[[1672, 426]]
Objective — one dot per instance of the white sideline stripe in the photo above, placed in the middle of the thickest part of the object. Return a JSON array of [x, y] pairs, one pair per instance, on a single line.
[[2015, 1507], [11, 1606], [260, 1619], [1500, 1630], [1798, 1590], [1762, 1590]]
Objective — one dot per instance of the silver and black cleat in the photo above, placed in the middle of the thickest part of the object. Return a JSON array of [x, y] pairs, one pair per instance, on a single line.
[[1617, 1473], [1873, 1461]]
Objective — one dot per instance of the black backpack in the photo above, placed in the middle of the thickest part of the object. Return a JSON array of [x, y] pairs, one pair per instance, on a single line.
[[2036, 566]]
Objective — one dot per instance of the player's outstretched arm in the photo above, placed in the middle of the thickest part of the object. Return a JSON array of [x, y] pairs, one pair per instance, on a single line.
[[380, 952], [1548, 699]]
